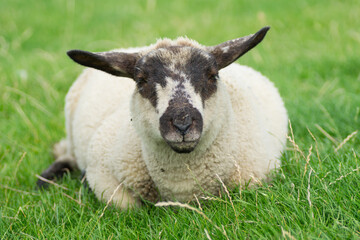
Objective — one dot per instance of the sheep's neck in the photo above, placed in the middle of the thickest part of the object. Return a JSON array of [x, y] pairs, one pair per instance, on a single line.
[[180, 176]]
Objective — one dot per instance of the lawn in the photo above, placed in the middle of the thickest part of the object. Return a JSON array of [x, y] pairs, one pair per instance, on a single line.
[[311, 53]]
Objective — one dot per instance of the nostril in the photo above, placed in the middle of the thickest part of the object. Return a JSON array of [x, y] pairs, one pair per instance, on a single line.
[[182, 127], [183, 124]]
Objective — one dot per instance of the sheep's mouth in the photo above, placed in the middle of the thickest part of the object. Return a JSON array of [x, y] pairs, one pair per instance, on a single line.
[[183, 147]]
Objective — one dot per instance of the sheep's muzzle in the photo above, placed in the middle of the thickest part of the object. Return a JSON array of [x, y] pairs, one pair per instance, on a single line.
[[181, 127]]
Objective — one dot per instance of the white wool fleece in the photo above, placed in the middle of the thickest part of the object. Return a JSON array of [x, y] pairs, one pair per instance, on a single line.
[[107, 122]]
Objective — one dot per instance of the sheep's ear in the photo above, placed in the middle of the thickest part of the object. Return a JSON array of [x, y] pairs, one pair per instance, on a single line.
[[227, 52], [115, 63]]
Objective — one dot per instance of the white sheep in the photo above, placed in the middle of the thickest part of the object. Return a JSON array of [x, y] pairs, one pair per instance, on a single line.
[[170, 121]]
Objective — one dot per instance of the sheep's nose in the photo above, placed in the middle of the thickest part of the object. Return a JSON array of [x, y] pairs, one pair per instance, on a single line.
[[182, 124]]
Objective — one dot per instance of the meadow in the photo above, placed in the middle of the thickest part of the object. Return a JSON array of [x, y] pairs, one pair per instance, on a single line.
[[311, 53]]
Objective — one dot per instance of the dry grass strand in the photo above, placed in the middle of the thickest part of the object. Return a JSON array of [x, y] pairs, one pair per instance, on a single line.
[[316, 146], [104, 209], [308, 194], [308, 160], [50, 182], [292, 140], [71, 198], [187, 206], [228, 194], [197, 200], [207, 234], [109, 201], [18, 164], [326, 134], [344, 176], [345, 140], [19, 191], [287, 234]]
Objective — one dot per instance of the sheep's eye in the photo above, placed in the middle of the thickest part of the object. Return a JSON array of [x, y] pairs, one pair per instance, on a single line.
[[141, 80], [212, 78]]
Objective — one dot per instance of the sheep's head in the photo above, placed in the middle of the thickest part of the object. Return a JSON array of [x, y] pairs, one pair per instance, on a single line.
[[176, 78]]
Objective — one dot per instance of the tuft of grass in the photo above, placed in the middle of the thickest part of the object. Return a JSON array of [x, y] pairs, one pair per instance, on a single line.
[[311, 53]]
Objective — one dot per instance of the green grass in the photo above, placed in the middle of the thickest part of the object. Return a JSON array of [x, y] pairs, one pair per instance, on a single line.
[[312, 53]]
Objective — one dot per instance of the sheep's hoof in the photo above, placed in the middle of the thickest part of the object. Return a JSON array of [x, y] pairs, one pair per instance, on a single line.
[[55, 171]]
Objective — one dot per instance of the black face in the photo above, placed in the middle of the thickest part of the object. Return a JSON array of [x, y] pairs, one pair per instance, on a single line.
[[184, 75], [200, 68], [203, 72]]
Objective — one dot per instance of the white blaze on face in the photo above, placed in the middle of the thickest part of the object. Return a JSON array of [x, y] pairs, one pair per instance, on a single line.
[[195, 98], [164, 95], [168, 93]]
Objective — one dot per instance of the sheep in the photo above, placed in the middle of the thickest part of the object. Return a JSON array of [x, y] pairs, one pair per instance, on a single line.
[[170, 121]]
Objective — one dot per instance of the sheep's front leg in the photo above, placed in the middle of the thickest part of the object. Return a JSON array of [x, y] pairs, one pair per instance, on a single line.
[[106, 187]]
